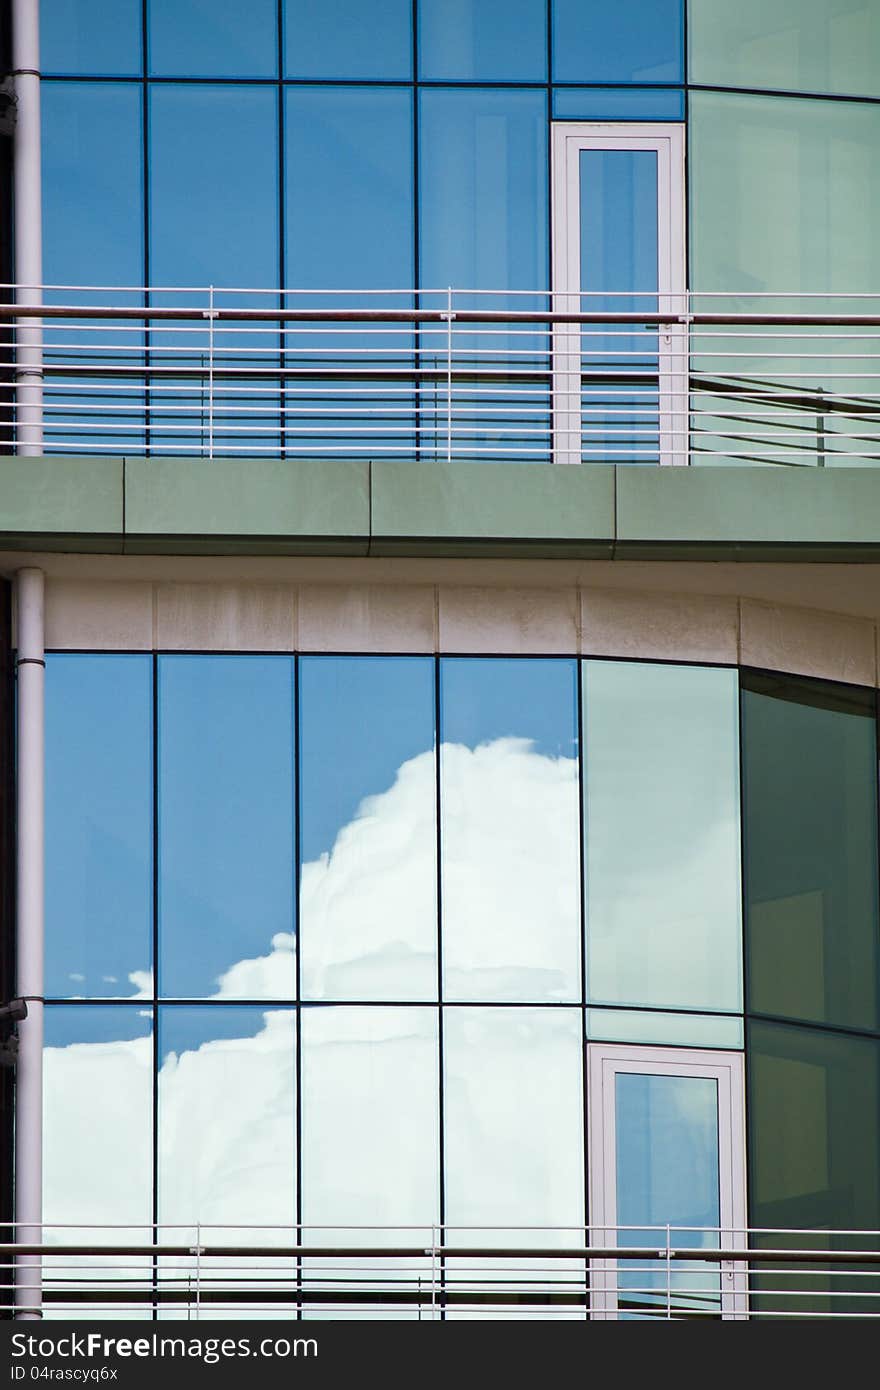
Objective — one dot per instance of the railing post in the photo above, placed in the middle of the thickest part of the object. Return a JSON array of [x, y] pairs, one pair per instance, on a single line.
[[668, 1273]]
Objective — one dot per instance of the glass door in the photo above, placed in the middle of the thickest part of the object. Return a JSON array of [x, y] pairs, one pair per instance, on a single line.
[[667, 1170], [620, 388]]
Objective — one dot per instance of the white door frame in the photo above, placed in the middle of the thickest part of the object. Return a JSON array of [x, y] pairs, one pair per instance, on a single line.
[[605, 1061], [666, 139]]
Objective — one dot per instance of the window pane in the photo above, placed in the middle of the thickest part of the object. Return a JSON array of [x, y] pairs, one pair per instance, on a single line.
[[226, 862], [99, 825], [368, 900], [618, 104], [510, 848], [213, 38], [628, 41], [93, 216], [514, 1107], [661, 806], [206, 141], [227, 1117], [97, 1118], [759, 169], [483, 40], [814, 1159], [810, 798], [369, 1119], [483, 189], [676, 1029], [348, 148], [796, 45], [91, 37], [348, 39]]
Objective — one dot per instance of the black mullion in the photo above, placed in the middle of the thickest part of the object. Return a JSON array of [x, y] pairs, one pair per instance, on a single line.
[[155, 954], [282, 451], [145, 178], [297, 854], [441, 1129], [582, 859], [416, 211]]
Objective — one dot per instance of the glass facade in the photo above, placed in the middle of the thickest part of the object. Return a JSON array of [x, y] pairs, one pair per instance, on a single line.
[[498, 860]]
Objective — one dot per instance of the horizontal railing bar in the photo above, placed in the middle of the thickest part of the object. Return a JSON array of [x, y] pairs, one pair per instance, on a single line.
[[361, 1252]]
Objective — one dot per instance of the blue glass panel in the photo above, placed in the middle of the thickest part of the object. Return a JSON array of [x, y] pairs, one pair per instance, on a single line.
[[618, 234], [91, 37], [627, 41], [483, 189], [227, 1117], [348, 39], [212, 38], [98, 825], [510, 830], [93, 219], [98, 1120], [483, 40], [618, 104], [348, 188], [667, 1174], [368, 828], [226, 861], [214, 185]]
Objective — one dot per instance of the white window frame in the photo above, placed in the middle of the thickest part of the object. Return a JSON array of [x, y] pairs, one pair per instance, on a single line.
[[605, 1061], [667, 141]]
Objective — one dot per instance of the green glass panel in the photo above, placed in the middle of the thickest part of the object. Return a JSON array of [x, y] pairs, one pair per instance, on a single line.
[[665, 1029], [661, 809], [810, 834], [793, 45], [814, 1135], [784, 195]]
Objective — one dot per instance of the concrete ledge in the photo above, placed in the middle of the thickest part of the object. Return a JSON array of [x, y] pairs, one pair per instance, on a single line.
[[356, 508], [62, 504]]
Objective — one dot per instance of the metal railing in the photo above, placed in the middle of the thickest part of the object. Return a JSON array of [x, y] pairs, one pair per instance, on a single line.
[[528, 376], [443, 1272]]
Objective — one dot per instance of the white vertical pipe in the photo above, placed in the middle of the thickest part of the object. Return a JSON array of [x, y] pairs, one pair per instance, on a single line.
[[28, 223], [31, 672]]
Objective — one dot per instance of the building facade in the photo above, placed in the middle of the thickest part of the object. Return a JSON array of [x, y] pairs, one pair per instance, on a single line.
[[438, 472]]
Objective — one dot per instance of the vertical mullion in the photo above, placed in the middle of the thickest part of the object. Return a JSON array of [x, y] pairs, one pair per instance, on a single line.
[[297, 852], [580, 667], [441, 1136], [416, 215], [281, 227], [145, 179], [155, 953]]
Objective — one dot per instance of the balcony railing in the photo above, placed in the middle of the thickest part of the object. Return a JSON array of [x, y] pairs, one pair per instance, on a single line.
[[443, 1272], [431, 375]]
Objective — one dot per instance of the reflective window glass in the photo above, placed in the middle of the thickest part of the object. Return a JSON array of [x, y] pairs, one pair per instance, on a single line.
[[627, 41], [213, 38], [370, 1118], [661, 813], [483, 40], [483, 189], [759, 169], [97, 1118], [667, 1028], [814, 1160], [226, 860], [227, 1116], [796, 45], [93, 220], [618, 104], [348, 39], [513, 1122], [99, 825], [509, 835], [91, 37], [810, 829], [368, 829], [344, 149], [213, 185]]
